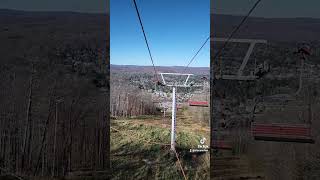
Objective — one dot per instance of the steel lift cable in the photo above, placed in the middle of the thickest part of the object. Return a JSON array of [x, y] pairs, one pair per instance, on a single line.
[[236, 29], [230, 37], [193, 58], [145, 39]]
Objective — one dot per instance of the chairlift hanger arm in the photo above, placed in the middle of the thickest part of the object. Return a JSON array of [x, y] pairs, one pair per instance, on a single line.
[[177, 74], [185, 84], [164, 82], [236, 77], [245, 60], [261, 41]]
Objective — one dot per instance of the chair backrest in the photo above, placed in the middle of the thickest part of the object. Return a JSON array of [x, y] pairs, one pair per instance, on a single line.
[[199, 103], [282, 132]]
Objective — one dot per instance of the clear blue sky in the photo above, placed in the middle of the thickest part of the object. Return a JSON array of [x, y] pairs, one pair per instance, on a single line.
[[175, 30]]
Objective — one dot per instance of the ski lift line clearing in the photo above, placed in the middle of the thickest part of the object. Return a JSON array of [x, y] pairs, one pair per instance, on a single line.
[[245, 60]]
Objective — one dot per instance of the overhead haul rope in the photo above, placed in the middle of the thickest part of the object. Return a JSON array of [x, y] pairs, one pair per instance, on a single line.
[[193, 58], [145, 39], [229, 38], [236, 29], [231, 35]]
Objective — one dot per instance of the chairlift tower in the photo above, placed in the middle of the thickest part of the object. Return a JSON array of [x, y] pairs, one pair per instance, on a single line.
[[174, 86]]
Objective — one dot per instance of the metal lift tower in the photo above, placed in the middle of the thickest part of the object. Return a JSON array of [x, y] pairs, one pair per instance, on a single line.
[[174, 102]]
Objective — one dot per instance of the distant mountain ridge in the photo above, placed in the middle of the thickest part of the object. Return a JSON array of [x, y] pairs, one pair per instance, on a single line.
[[50, 18], [272, 29], [149, 69], [25, 12]]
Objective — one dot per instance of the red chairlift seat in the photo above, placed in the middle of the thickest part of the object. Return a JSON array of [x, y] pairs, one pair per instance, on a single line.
[[300, 133], [199, 103], [305, 49]]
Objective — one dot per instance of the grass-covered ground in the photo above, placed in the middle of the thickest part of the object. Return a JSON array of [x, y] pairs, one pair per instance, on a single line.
[[140, 149]]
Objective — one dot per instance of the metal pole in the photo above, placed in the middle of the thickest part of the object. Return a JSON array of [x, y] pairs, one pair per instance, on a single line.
[[246, 58], [173, 122], [301, 72]]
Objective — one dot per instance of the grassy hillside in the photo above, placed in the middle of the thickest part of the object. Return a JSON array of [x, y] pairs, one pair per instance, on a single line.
[[140, 148]]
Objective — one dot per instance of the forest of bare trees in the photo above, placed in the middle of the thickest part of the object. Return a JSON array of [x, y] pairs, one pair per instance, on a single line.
[[52, 121], [54, 94], [127, 100]]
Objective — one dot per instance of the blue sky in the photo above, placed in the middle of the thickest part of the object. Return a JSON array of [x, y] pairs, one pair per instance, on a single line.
[[175, 30]]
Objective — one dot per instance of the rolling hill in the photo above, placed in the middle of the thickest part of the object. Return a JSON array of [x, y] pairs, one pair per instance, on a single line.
[[272, 29], [149, 69]]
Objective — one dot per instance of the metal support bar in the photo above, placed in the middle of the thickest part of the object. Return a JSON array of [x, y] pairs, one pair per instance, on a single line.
[[236, 77], [176, 74], [246, 58], [173, 122], [164, 82], [176, 84], [185, 83], [301, 73], [240, 40]]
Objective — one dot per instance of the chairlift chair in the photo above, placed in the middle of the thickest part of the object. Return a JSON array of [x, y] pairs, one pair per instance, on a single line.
[[199, 103], [282, 132], [300, 133], [304, 51]]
